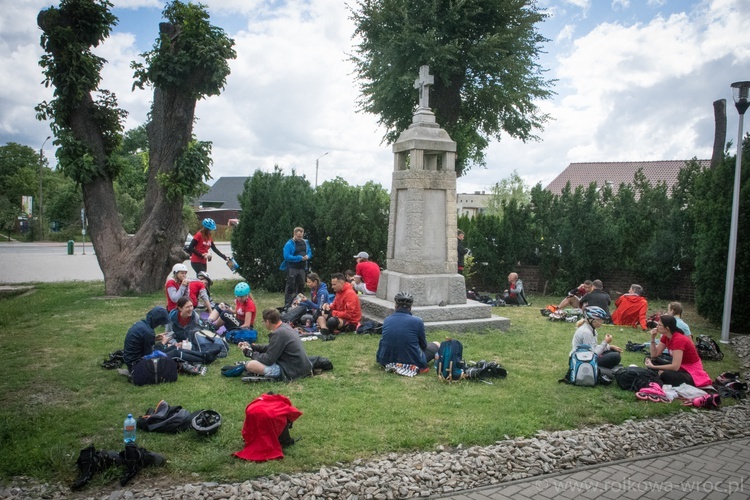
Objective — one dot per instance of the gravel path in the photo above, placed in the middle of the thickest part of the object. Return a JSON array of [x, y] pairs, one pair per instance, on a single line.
[[442, 471]]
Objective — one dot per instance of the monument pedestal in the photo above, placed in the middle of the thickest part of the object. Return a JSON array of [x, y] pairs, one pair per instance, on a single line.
[[421, 255]]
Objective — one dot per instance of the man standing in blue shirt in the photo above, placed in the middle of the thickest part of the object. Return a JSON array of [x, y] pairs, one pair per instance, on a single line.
[[297, 254]]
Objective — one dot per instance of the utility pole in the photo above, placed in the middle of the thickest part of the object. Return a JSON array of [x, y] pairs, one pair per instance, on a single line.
[[316, 167], [41, 173]]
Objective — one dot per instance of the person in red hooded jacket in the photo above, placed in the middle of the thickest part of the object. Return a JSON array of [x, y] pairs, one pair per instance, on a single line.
[[345, 312], [631, 308]]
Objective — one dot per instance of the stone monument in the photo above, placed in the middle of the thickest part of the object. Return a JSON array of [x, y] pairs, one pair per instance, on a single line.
[[422, 256]]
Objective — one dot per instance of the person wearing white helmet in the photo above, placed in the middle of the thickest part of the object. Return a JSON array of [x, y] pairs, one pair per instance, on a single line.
[[201, 245], [176, 286], [608, 355]]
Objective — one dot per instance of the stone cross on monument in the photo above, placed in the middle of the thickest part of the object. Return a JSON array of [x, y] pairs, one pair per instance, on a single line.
[[421, 255], [423, 84]]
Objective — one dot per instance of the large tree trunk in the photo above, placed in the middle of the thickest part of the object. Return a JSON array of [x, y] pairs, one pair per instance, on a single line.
[[139, 263], [720, 131]]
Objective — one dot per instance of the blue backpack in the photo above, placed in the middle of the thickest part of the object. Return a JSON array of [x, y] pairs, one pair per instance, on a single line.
[[584, 369], [449, 361], [241, 335]]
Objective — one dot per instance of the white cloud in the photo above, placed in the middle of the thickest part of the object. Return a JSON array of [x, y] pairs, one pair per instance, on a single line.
[[583, 4], [620, 4], [566, 34]]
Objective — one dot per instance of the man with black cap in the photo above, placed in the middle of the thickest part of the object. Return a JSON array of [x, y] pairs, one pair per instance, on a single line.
[[403, 339]]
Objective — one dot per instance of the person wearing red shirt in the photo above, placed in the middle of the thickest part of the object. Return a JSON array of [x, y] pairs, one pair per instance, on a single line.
[[243, 314], [369, 272], [176, 286], [201, 245], [686, 366], [198, 291], [345, 312]]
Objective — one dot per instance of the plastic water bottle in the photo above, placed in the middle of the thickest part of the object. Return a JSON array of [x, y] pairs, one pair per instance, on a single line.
[[129, 429]]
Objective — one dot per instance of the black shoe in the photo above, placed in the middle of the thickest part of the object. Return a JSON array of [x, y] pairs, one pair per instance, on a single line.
[[86, 467], [90, 462], [134, 459], [328, 337], [191, 369]]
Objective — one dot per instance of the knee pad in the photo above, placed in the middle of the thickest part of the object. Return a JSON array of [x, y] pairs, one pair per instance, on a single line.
[[332, 323]]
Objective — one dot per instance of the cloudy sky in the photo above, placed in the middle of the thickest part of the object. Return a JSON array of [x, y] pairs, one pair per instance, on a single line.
[[635, 81]]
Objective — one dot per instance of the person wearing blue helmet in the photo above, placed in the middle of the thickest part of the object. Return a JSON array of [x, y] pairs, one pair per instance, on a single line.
[[201, 245], [242, 316], [608, 355]]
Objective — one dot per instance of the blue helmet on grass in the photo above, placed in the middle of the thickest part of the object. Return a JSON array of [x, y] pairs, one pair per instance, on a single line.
[[209, 224], [242, 290]]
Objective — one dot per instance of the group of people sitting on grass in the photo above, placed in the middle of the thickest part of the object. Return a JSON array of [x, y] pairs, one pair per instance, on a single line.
[[631, 307], [670, 335]]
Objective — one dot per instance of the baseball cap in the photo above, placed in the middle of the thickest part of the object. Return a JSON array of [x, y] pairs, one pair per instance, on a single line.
[[362, 255]]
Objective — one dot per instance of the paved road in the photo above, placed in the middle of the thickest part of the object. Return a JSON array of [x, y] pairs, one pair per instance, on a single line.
[[47, 262], [714, 471]]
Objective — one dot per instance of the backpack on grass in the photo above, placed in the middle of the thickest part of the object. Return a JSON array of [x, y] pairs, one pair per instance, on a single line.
[[165, 418], [154, 371], [635, 378], [449, 362], [708, 348], [584, 368], [208, 341], [241, 335]]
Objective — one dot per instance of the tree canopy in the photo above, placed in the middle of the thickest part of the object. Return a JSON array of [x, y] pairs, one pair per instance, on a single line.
[[188, 62], [483, 54]]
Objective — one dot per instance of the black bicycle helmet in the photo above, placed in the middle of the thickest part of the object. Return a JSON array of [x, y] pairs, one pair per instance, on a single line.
[[206, 422], [404, 299]]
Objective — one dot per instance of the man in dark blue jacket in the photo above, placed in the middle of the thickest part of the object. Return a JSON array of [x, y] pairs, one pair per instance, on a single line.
[[403, 339], [140, 339]]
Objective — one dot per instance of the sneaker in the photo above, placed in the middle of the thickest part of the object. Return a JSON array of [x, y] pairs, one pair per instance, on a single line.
[[191, 369], [258, 378], [727, 377]]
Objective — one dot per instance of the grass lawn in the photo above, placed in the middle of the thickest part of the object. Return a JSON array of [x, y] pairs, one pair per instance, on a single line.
[[55, 399]]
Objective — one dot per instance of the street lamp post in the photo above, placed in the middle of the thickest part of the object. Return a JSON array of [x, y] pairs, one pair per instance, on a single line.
[[740, 92], [316, 167], [41, 172]]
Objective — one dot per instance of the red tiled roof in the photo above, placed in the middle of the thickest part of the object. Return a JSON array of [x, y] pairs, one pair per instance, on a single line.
[[616, 173]]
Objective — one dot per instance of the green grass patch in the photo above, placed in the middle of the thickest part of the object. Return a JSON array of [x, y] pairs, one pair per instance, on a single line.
[[55, 399]]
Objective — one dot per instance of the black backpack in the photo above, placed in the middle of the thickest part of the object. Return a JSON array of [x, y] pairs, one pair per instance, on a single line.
[[635, 378], [708, 348], [154, 371], [370, 326], [166, 419]]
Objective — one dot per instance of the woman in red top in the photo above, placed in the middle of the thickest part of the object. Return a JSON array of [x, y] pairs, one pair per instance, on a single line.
[[243, 314], [176, 286], [201, 245], [686, 366]]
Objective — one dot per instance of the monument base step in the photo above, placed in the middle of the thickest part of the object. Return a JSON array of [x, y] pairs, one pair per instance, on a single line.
[[471, 316]]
